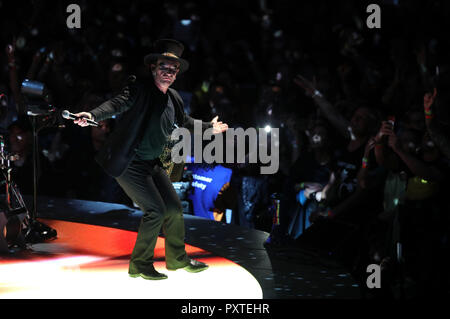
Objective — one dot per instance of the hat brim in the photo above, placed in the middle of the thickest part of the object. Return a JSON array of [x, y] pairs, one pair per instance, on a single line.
[[150, 58]]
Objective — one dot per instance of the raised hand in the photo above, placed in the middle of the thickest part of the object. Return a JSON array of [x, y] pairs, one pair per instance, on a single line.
[[428, 101], [218, 127], [311, 188], [385, 129]]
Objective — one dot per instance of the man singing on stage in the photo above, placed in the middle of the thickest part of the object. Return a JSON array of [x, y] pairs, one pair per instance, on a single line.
[[131, 154]]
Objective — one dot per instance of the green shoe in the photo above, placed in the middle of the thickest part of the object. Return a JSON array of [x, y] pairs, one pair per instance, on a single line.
[[150, 274], [194, 266]]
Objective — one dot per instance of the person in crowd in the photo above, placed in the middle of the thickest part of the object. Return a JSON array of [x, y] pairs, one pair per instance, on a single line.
[[211, 195], [356, 132], [309, 184], [412, 205]]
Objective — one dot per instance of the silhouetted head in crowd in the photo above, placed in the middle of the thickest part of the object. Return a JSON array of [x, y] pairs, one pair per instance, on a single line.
[[364, 122], [319, 137], [319, 134]]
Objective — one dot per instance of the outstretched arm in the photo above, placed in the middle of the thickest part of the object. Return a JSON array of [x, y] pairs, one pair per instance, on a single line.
[[328, 110], [118, 104]]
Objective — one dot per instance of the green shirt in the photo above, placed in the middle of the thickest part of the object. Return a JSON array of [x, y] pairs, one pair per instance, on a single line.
[[158, 131]]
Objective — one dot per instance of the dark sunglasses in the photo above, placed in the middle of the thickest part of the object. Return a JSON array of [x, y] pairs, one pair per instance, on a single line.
[[165, 68]]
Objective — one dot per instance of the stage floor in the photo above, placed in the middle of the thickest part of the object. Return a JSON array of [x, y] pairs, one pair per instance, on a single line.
[[89, 259]]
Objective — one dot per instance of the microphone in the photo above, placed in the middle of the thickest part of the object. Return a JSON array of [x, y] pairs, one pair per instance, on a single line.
[[70, 116]]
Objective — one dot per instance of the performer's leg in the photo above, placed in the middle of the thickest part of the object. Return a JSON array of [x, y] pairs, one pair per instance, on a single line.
[[173, 224], [138, 184]]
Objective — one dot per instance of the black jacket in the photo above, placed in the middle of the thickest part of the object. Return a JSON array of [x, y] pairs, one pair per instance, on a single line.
[[135, 103]]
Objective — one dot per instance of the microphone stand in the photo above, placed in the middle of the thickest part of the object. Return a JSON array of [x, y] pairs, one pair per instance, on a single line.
[[37, 231], [35, 165]]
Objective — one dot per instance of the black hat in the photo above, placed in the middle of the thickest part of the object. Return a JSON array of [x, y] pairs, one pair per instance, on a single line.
[[167, 49]]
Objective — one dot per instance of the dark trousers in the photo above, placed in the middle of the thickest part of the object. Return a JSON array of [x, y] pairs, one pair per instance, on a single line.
[[148, 185]]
